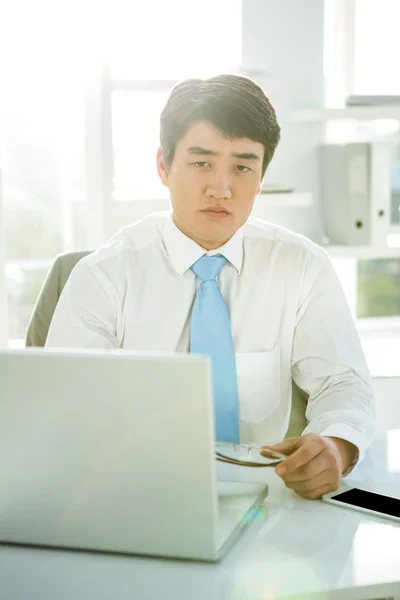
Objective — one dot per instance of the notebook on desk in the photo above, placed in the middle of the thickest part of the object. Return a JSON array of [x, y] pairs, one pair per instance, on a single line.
[[114, 451]]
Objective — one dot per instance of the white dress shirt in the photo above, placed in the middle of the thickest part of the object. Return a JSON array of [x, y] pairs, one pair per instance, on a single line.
[[288, 314]]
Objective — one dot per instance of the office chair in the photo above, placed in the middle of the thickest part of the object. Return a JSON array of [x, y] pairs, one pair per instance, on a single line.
[[47, 302], [48, 297]]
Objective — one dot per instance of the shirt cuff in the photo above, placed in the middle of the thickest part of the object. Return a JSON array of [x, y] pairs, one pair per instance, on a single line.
[[345, 432]]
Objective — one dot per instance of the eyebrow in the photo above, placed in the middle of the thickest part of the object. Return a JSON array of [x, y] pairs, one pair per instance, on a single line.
[[204, 152]]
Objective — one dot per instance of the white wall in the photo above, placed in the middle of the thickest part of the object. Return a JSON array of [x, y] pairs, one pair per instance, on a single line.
[[285, 38]]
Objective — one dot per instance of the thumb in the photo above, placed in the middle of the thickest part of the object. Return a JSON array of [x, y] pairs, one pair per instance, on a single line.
[[287, 447]]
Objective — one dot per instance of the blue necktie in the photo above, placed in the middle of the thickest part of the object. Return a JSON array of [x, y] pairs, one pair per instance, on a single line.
[[210, 334]]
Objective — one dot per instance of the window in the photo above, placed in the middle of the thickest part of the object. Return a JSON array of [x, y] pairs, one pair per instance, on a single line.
[[378, 288], [175, 39], [49, 134], [135, 127], [139, 88], [42, 147]]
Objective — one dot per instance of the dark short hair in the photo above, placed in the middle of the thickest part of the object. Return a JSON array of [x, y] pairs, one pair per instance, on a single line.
[[235, 105]]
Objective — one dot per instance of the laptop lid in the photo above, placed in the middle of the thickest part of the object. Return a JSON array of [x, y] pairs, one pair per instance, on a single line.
[[114, 451], [108, 450]]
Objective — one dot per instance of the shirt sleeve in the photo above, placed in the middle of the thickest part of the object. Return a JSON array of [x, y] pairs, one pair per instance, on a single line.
[[328, 362], [86, 312]]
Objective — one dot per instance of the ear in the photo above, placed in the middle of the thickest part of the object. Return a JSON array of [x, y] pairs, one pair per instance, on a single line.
[[162, 167], [260, 186]]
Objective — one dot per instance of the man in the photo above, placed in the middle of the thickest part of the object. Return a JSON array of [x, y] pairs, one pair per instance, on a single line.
[[262, 301]]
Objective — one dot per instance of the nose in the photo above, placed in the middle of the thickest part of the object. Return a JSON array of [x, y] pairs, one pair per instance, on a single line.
[[219, 187]]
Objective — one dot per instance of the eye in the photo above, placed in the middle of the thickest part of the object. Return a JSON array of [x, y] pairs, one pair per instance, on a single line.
[[242, 168], [202, 164]]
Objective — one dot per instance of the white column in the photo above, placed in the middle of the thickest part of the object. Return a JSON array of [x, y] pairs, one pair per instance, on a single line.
[[339, 51], [3, 298], [98, 153]]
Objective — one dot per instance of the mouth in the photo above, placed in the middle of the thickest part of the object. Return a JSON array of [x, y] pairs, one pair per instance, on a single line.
[[216, 212]]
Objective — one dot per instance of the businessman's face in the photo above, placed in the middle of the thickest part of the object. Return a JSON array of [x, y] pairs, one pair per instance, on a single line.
[[213, 182]]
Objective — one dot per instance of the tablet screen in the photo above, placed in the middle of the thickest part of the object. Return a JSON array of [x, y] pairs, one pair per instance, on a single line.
[[371, 501]]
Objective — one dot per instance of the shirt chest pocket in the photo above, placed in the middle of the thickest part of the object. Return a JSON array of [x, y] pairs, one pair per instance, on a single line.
[[259, 384]]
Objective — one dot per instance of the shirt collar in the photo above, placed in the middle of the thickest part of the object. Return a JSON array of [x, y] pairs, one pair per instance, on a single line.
[[183, 251]]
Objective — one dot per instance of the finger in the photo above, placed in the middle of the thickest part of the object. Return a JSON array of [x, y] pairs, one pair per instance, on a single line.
[[328, 477], [286, 447], [317, 493], [301, 457]]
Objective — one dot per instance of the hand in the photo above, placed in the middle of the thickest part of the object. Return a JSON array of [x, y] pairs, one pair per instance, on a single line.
[[315, 463]]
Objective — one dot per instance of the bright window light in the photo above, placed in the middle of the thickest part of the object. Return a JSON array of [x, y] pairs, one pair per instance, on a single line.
[[136, 124], [393, 240], [164, 42], [175, 39], [376, 52]]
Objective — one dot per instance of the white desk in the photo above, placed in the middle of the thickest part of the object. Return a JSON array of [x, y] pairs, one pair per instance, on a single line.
[[298, 549]]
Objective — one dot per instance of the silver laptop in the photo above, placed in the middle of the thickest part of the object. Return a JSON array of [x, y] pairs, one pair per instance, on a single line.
[[114, 451]]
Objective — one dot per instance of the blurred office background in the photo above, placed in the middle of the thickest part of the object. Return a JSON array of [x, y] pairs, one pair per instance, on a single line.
[[82, 85]]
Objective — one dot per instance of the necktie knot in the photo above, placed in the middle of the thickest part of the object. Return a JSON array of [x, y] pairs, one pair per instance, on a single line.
[[208, 267]]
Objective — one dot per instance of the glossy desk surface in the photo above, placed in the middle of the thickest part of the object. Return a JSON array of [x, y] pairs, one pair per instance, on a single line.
[[295, 549]]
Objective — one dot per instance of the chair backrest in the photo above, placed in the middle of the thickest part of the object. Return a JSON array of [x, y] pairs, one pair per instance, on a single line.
[[297, 421], [47, 302], [48, 297]]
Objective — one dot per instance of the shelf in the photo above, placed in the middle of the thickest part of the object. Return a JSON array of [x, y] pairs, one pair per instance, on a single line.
[[352, 112]]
